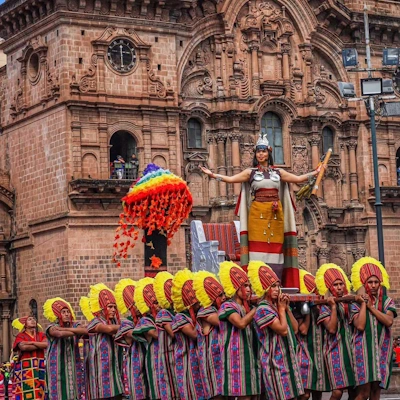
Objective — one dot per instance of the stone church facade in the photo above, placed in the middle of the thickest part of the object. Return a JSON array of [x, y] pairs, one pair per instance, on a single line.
[[181, 83]]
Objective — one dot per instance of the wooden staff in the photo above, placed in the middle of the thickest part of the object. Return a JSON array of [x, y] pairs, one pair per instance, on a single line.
[[322, 171], [319, 300]]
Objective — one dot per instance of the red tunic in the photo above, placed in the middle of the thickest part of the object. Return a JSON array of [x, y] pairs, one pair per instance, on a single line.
[[25, 337]]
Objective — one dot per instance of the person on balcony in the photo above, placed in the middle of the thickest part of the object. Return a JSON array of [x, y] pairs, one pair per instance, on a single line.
[[134, 166], [119, 167]]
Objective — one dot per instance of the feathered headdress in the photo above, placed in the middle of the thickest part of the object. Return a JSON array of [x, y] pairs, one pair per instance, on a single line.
[[145, 297], [208, 289], [326, 275], [52, 309], [84, 304], [124, 295], [262, 141], [159, 201], [183, 294], [163, 288], [261, 277], [232, 277], [366, 267], [307, 282], [100, 297], [19, 324]]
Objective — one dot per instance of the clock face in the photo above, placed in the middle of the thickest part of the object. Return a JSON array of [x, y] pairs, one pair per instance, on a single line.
[[121, 55]]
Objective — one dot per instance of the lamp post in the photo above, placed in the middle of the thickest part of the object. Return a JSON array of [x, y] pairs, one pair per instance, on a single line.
[[378, 202]]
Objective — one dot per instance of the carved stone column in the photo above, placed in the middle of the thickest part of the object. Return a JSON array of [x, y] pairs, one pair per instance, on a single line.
[[212, 151], [254, 67], [314, 141], [352, 144], [343, 169], [236, 160], [3, 275], [286, 68], [221, 165], [146, 131], [5, 316]]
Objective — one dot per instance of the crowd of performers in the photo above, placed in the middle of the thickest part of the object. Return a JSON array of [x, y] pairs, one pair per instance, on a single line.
[[196, 336]]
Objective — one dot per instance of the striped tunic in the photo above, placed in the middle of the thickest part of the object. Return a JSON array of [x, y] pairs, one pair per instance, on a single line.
[[63, 366], [280, 371], [133, 362], [209, 354], [104, 375], [240, 371], [337, 350], [310, 356], [146, 324], [166, 361], [373, 346], [190, 384]]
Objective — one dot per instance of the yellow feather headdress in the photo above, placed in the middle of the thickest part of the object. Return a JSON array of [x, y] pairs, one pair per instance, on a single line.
[[207, 287], [123, 289], [361, 271], [180, 279], [55, 305], [19, 324], [159, 287], [84, 304], [100, 293], [304, 288], [225, 269], [261, 277], [139, 297], [320, 279]]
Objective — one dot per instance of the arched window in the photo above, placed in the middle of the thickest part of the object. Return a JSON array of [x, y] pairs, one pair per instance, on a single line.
[[194, 134], [122, 144], [398, 166], [327, 139], [272, 126]]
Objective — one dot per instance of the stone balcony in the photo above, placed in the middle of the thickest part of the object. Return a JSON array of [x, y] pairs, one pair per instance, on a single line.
[[390, 196], [98, 193]]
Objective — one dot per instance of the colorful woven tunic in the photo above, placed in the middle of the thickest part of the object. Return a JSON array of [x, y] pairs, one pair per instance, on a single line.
[[209, 355], [166, 360], [337, 350], [145, 324], [30, 370], [311, 357], [133, 362], [240, 371], [280, 371], [63, 366], [104, 375], [373, 347], [190, 384]]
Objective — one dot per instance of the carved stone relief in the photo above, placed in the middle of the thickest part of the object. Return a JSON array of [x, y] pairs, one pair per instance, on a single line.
[[299, 156], [247, 152]]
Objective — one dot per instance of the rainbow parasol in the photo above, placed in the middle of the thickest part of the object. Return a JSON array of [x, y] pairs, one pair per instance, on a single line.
[[158, 201]]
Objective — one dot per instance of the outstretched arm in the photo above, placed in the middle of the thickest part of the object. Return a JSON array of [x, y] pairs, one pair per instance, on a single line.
[[291, 178], [241, 177]]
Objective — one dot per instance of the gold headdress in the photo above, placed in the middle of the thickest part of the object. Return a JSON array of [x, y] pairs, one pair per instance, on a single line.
[[366, 267], [261, 277], [183, 294], [232, 277], [307, 282], [52, 309], [145, 297], [19, 324], [207, 288], [326, 275], [84, 304], [124, 294]]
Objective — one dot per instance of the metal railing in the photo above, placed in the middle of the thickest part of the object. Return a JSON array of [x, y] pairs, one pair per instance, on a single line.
[[123, 171]]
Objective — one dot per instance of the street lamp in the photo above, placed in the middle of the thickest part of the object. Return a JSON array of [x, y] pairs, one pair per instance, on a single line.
[[370, 87]]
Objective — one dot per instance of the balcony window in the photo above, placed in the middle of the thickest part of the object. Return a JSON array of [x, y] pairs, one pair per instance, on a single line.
[[122, 166], [327, 139], [194, 134]]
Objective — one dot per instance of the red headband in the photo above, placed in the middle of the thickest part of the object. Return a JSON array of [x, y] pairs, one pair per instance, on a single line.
[[332, 275], [267, 277], [58, 306], [238, 277], [106, 298], [213, 288]]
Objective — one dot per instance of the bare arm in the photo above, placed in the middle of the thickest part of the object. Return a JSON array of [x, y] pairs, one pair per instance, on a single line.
[[360, 318], [107, 329], [190, 331], [212, 319], [331, 324], [385, 319], [304, 325], [151, 334], [243, 176], [241, 323], [169, 330], [60, 333], [291, 178]]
